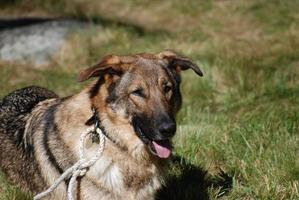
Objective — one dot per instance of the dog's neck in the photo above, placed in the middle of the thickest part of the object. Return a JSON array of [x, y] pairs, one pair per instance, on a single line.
[[95, 121]]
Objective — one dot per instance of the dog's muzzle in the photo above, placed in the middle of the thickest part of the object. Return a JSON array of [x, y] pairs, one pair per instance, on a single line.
[[159, 146]]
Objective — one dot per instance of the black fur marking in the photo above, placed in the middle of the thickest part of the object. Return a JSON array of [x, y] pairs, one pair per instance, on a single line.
[[95, 88], [50, 127], [111, 93], [91, 120], [142, 126]]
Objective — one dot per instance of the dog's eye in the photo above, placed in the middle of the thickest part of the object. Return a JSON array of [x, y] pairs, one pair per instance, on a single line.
[[138, 92], [167, 88]]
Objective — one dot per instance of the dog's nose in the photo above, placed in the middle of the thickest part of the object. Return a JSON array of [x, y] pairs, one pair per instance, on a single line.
[[167, 129]]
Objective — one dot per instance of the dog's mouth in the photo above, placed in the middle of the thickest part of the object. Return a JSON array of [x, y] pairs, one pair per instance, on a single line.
[[160, 148]]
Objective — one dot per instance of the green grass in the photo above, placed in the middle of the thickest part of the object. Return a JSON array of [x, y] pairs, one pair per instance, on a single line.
[[239, 125], [8, 191]]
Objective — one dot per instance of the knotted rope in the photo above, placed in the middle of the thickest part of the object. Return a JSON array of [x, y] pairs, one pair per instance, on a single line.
[[79, 168]]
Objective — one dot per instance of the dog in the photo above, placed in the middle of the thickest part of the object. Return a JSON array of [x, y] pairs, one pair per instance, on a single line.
[[134, 101]]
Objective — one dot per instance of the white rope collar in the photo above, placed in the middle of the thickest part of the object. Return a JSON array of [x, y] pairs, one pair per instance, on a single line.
[[79, 168]]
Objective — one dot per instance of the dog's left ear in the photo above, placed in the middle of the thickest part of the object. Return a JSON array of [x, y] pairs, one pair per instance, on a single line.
[[178, 62]]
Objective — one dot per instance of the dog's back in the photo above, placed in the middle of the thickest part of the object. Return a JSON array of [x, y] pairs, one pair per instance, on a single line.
[[13, 157]]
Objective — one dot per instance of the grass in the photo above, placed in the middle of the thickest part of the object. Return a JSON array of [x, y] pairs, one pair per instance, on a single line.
[[239, 125]]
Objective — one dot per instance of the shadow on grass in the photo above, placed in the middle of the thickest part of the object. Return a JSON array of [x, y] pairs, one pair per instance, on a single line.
[[189, 182], [16, 22]]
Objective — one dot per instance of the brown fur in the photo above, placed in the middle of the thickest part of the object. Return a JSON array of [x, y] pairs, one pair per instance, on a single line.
[[138, 92]]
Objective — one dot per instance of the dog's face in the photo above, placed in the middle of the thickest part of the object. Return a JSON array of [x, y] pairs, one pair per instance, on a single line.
[[144, 91]]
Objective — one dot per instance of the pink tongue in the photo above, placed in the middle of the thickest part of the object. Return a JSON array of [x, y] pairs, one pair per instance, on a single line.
[[163, 149]]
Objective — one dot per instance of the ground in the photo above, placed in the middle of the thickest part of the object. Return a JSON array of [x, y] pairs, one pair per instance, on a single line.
[[238, 134]]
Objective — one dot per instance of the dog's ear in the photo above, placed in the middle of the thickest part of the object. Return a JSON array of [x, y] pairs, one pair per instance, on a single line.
[[108, 64], [178, 62]]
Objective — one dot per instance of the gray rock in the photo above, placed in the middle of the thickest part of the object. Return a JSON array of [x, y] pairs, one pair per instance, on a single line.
[[37, 43]]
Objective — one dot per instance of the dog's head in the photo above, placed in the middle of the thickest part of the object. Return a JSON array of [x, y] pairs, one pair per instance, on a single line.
[[143, 91]]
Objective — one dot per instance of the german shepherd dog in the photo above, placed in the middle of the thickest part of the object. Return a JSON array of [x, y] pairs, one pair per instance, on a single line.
[[135, 99]]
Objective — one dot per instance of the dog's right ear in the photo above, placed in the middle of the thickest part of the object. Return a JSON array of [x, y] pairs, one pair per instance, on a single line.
[[108, 64]]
